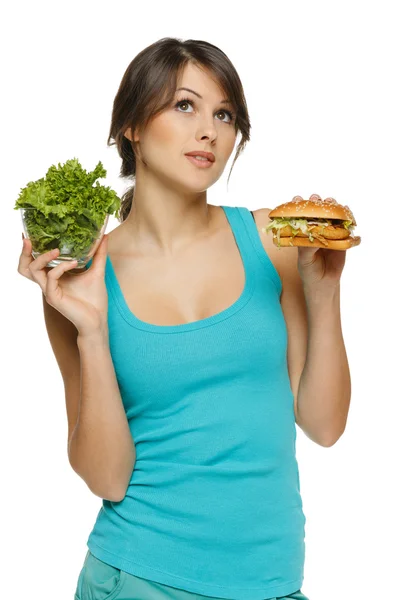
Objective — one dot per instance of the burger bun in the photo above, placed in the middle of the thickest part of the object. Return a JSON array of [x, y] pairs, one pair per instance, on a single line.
[[287, 242]]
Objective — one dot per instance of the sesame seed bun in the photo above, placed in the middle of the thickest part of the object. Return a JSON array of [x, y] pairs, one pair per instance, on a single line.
[[313, 208], [330, 244]]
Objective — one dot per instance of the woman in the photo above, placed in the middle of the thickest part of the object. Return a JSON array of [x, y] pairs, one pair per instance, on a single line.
[[189, 334]]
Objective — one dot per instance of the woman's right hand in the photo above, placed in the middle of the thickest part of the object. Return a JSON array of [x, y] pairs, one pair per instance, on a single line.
[[81, 298]]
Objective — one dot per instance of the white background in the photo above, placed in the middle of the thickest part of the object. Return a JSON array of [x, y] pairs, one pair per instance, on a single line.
[[321, 82]]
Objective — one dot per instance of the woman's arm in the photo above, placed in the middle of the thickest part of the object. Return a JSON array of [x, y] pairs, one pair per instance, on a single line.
[[101, 449], [324, 391], [317, 361], [100, 446]]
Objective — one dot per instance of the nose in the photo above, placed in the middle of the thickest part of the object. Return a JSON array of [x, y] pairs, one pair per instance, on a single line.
[[206, 130]]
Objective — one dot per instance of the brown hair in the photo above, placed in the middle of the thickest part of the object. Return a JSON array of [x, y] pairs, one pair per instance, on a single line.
[[148, 86]]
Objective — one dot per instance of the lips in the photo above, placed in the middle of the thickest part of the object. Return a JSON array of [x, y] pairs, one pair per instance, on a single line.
[[201, 163], [209, 155]]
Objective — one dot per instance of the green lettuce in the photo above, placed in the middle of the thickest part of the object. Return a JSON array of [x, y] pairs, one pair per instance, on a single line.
[[70, 208]]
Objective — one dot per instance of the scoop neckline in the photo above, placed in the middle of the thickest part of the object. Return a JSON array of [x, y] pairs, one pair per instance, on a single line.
[[239, 303]]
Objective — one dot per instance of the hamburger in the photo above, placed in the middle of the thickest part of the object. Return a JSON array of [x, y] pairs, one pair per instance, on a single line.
[[313, 223]]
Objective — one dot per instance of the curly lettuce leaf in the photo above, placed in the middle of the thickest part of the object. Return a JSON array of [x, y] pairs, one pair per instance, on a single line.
[[70, 207]]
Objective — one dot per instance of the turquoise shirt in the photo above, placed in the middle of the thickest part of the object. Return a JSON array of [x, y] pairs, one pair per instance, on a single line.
[[213, 504]]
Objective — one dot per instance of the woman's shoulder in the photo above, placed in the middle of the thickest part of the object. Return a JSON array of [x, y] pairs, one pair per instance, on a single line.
[[118, 241]]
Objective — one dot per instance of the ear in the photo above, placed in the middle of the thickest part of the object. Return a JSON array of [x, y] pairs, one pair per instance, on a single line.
[[128, 134]]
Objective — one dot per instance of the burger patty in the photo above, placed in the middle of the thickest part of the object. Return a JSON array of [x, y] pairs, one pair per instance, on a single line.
[[331, 232]]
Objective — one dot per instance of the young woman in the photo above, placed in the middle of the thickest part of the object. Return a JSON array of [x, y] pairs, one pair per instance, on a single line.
[[189, 349]]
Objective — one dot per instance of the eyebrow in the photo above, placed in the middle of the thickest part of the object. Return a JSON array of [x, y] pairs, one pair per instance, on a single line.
[[226, 101]]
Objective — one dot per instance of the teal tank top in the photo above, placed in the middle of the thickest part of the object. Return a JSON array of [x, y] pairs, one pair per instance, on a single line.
[[213, 505]]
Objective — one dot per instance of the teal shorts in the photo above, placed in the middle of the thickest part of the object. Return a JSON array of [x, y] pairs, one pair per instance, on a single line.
[[100, 581]]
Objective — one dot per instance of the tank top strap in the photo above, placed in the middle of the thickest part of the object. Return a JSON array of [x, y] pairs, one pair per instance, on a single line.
[[249, 235], [239, 231]]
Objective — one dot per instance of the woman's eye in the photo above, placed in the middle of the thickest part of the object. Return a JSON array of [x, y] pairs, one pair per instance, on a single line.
[[226, 113], [190, 103], [179, 104]]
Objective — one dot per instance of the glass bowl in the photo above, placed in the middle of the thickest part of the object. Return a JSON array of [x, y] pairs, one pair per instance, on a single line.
[[81, 249]]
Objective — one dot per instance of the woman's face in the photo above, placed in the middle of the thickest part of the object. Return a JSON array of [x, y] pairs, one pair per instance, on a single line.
[[203, 124]]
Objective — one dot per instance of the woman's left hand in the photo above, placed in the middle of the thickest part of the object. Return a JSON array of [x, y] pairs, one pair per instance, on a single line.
[[320, 267]]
